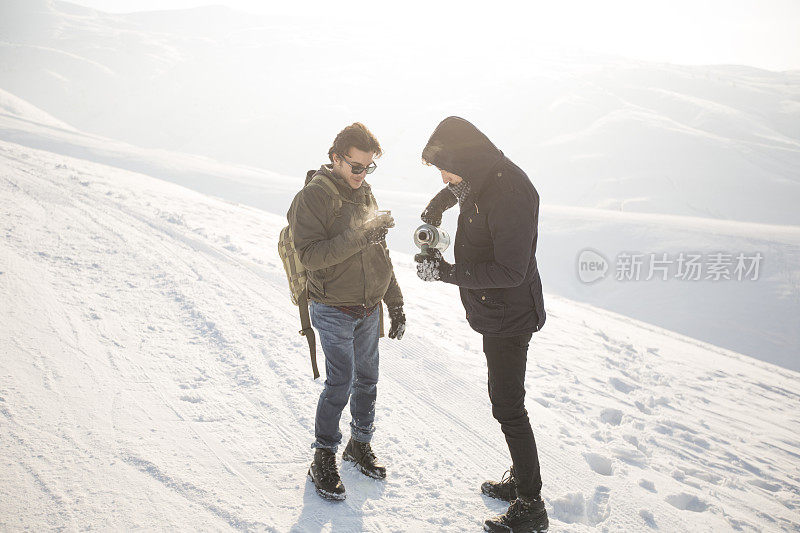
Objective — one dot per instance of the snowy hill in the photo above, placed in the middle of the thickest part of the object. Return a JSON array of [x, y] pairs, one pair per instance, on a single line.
[[28, 125], [14, 107], [760, 318], [152, 378], [703, 141]]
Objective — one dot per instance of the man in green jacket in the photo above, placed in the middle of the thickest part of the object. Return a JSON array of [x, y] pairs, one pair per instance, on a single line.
[[339, 236]]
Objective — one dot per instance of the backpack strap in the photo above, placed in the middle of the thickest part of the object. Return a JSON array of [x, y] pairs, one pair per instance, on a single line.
[[371, 202], [308, 331], [332, 189], [302, 301]]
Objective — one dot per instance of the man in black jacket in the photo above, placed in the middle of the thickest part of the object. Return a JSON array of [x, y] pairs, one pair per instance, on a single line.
[[497, 276]]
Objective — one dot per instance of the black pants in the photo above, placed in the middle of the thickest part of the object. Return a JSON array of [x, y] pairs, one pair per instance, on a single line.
[[506, 358]]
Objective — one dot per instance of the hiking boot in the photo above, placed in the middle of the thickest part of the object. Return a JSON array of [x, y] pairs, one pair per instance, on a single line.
[[505, 489], [362, 455], [523, 516], [325, 476]]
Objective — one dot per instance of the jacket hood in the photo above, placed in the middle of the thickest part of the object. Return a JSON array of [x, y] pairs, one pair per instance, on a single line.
[[459, 147]]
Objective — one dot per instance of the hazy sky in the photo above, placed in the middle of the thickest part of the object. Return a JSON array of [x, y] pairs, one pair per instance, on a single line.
[[762, 33]]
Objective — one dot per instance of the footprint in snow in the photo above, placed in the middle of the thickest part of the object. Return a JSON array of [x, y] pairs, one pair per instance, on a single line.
[[599, 464], [687, 502], [598, 509], [611, 416], [622, 386], [574, 508], [646, 484], [648, 518]]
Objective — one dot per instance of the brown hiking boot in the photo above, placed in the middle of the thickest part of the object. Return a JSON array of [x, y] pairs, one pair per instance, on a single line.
[[325, 476], [362, 455], [505, 489]]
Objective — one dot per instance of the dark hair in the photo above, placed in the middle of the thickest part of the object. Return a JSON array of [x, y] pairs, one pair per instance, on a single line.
[[356, 135]]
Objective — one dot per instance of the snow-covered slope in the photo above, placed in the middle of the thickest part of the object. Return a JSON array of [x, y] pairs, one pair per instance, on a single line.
[[14, 107], [760, 318], [152, 377], [238, 183], [716, 141]]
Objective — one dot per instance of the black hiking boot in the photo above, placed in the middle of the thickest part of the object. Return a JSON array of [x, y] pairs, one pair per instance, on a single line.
[[523, 516], [361, 454], [505, 489], [325, 476]]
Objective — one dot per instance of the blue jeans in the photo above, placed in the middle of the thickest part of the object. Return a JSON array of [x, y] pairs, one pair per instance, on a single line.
[[351, 368]]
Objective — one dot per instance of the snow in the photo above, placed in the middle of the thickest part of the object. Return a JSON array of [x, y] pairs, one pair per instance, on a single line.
[[627, 155], [598, 132], [152, 377], [20, 109], [758, 318]]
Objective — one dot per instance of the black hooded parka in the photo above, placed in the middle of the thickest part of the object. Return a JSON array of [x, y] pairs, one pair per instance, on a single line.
[[495, 243]]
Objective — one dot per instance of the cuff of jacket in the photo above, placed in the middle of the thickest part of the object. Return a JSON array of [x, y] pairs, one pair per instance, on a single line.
[[449, 275], [393, 302]]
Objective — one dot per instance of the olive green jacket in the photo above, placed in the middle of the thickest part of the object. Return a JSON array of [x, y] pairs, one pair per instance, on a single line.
[[343, 269]]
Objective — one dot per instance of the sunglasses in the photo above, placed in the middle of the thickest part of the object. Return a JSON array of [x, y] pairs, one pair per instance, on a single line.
[[358, 168]]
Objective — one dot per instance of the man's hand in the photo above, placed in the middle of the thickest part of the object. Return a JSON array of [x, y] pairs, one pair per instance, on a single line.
[[433, 267], [375, 235], [440, 203], [398, 318], [376, 228]]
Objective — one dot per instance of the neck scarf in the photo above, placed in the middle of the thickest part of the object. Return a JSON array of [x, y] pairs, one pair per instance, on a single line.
[[460, 191]]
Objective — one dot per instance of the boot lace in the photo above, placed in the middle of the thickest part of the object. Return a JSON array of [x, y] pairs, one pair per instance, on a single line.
[[516, 509], [508, 477], [366, 452], [328, 467]]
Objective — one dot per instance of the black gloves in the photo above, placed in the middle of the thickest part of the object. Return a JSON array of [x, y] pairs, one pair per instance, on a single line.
[[376, 228], [433, 267], [375, 235], [443, 201], [398, 318]]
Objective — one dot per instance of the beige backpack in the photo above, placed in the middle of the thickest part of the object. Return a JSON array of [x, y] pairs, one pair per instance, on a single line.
[[296, 272]]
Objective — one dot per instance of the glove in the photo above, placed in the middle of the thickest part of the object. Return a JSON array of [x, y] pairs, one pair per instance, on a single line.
[[375, 235], [398, 318], [376, 228], [433, 267], [440, 203]]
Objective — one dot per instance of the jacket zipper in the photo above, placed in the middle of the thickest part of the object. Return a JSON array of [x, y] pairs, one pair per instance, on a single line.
[[364, 272]]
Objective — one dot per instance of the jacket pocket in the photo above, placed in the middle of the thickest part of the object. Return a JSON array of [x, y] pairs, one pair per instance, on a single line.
[[315, 286], [538, 302], [488, 311], [318, 278], [476, 230]]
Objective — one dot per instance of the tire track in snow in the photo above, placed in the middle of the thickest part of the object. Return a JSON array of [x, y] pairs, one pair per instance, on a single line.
[[221, 455], [188, 490], [62, 509], [192, 493]]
